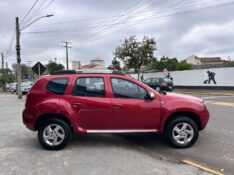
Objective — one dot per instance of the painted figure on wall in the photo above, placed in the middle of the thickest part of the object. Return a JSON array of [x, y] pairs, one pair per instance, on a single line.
[[211, 77]]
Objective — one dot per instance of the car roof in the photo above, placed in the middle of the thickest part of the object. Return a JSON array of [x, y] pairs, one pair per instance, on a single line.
[[88, 71]]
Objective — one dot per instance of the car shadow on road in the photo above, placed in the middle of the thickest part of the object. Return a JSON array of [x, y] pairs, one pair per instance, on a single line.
[[147, 143]]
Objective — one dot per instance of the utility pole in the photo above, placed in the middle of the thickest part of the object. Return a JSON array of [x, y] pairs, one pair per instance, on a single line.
[[29, 63], [3, 73], [2, 61], [66, 45], [17, 47], [18, 60]]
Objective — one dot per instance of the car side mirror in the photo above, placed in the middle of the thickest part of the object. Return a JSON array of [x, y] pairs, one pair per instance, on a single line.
[[150, 96]]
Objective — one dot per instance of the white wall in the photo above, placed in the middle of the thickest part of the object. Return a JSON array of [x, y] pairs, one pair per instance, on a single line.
[[223, 77]]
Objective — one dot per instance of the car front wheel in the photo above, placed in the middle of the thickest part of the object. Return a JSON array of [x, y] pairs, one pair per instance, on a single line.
[[181, 132], [54, 134]]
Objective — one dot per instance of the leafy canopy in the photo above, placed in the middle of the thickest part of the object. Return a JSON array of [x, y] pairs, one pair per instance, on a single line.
[[53, 66], [135, 54]]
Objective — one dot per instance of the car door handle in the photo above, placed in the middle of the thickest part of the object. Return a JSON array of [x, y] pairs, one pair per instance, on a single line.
[[76, 105]]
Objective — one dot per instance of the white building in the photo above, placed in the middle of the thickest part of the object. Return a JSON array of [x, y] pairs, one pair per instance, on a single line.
[[76, 65]]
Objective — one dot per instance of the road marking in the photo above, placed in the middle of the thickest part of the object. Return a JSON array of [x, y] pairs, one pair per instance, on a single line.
[[222, 103], [204, 168], [215, 97], [207, 102]]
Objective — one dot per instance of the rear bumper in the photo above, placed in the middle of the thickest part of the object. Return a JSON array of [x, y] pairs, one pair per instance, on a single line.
[[28, 120]]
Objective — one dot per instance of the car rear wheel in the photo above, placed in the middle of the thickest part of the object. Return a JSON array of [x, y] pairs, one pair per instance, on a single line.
[[54, 134], [181, 132]]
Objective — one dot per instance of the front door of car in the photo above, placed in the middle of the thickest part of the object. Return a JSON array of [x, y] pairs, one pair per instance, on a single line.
[[93, 110], [130, 108]]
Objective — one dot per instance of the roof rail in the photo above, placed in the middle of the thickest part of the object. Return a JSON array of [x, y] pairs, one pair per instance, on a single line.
[[61, 72], [88, 71]]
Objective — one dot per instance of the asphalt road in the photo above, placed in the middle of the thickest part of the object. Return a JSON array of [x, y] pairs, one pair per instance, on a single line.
[[20, 152]]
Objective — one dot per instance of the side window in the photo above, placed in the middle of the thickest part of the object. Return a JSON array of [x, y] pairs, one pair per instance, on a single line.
[[57, 85], [127, 89], [89, 86], [147, 80], [154, 80]]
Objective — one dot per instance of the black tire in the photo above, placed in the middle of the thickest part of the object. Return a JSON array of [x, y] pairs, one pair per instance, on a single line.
[[65, 129], [170, 130]]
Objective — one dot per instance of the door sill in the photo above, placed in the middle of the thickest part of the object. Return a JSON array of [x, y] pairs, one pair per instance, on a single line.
[[122, 131]]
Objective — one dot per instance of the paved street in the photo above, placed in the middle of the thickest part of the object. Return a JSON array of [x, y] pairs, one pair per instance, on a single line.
[[20, 152]]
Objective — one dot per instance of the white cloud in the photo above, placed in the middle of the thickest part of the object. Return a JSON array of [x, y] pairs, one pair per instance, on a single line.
[[202, 33]]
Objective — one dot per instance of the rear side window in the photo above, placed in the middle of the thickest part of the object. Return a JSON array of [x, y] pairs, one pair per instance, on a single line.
[[57, 85], [90, 87]]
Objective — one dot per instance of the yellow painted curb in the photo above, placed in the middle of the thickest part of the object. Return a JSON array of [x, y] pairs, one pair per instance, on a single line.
[[189, 162], [222, 103], [207, 93]]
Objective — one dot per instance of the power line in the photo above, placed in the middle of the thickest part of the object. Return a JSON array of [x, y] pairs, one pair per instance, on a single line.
[[127, 23], [112, 24], [39, 10], [28, 12], [169, 15]]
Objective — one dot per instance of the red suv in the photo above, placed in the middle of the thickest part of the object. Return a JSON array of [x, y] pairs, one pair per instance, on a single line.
[[85, 101]]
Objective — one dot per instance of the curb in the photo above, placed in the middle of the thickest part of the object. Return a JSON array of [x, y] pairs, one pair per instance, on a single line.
[[204, 93], [204, 168]]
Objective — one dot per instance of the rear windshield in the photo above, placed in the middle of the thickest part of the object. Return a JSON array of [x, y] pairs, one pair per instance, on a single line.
[[57, 85]]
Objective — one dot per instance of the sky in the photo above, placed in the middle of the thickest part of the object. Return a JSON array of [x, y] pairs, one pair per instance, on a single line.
[[95, 28]]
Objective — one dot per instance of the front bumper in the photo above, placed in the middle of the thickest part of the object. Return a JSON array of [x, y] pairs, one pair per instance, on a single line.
[[205, 116]]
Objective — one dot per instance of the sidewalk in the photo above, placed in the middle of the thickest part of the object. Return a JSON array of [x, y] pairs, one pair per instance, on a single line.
[[205, 92]]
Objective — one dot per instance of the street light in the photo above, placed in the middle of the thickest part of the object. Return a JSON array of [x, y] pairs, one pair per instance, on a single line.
[[18, 30]]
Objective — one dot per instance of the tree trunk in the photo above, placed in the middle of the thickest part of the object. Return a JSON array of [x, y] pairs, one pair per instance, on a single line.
[[139, 73], [4, 87]]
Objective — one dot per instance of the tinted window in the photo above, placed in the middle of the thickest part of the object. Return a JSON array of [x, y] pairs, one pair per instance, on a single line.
[[155, 80], [147, 81], [127, 89], [167, 80], [57, 85], [92, 87]]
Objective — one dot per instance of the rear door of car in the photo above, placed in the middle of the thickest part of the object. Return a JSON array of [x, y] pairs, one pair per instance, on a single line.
[[90, 103]]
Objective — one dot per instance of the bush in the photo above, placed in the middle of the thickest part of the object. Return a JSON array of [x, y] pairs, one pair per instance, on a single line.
[[183, 65]]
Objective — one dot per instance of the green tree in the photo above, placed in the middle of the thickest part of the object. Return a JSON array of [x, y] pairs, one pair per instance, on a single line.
[[53, 66], [125, 69], [153, 65], [25, 71], [166, 62], [232, 63], [115, 65], [135, 54], [183, 65], [6, 76]]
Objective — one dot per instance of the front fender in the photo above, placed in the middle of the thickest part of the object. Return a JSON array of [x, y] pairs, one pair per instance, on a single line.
[[171, 107]]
